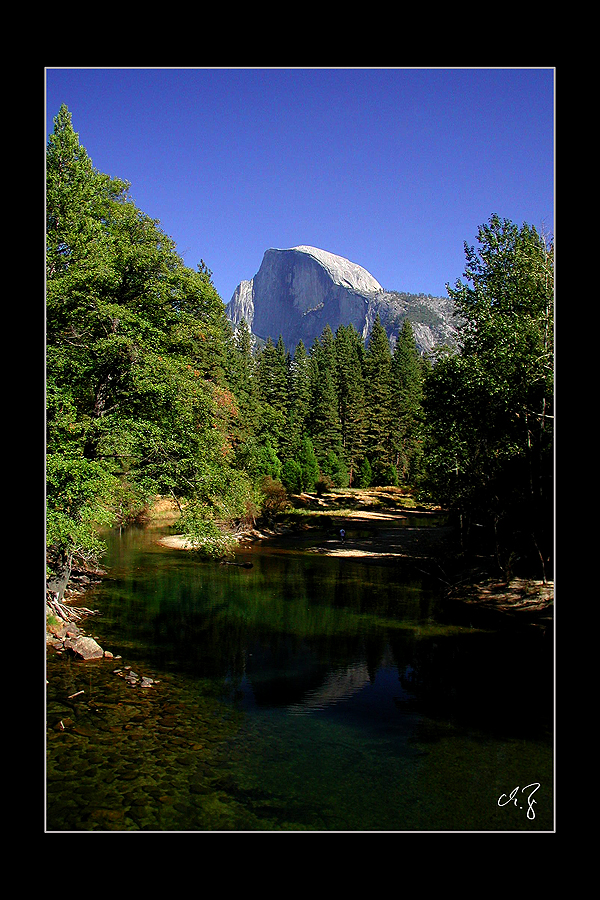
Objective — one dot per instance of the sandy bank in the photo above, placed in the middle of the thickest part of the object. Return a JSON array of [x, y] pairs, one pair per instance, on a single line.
[[176, 542]]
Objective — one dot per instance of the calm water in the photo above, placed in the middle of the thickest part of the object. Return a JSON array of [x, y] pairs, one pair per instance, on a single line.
[[304, 693]]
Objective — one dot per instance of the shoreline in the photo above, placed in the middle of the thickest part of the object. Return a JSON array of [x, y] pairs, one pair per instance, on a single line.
[[390, 537], [378, 523], [382, 527]]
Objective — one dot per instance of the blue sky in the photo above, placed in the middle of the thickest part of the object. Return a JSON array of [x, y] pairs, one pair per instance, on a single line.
[[392, 168]]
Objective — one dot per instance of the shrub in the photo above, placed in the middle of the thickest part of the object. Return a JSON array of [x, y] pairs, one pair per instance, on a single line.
[[323, 484], [275, 498]]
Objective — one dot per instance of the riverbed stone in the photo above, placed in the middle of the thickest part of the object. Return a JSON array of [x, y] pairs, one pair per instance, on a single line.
[[85, 647]]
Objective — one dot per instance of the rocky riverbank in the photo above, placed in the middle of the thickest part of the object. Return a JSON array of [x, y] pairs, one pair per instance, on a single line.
[[62, 615], [66, 636]]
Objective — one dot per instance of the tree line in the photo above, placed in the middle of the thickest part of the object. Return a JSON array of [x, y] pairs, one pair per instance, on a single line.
[[150, 391], [343, 413]]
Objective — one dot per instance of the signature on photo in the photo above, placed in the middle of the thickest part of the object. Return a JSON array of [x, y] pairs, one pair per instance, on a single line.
[[514, 797]]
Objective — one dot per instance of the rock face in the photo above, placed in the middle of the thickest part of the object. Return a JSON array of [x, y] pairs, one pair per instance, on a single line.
[[242, 303], [297, 292]]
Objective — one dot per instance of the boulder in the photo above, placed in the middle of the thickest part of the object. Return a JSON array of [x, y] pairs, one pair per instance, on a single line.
[[85, 647]]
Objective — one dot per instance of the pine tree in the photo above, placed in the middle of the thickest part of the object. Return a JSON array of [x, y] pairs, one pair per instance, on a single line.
[[406, 404], [299, 399], [364, 476], [308, 464], [241, 366], [378, 363], [323, 419], [272, 376], [349, 349]]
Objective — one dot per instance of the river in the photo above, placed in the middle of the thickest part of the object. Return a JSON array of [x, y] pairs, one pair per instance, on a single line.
[[306, 693]]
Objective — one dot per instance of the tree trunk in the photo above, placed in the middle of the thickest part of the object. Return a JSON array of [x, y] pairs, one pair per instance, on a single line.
[[58, 583]]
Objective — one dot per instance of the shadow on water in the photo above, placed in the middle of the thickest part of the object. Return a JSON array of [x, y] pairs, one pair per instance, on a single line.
[[304, 693]]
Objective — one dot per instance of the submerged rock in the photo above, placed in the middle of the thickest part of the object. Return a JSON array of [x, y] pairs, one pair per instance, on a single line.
[[133, 678]]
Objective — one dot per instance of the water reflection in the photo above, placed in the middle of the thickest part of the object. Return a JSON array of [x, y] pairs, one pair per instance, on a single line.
[[337, 687], [342, 677], [300, 631]]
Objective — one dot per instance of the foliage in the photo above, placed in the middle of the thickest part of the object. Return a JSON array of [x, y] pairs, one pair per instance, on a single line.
[[365, 474], [224, 497], [136, 356], [291, 476], [378, 377], [352, 408], [275, 498], [335, 469], [488, 408], [309, 466], [407, 376]]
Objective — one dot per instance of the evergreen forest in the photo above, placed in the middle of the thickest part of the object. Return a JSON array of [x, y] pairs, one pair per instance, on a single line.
[[151, 392]]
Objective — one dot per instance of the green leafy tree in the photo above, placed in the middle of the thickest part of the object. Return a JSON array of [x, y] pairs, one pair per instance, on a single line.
[[136, 352], [334, 469], [291, 475], [364, 478], [489, 407]]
